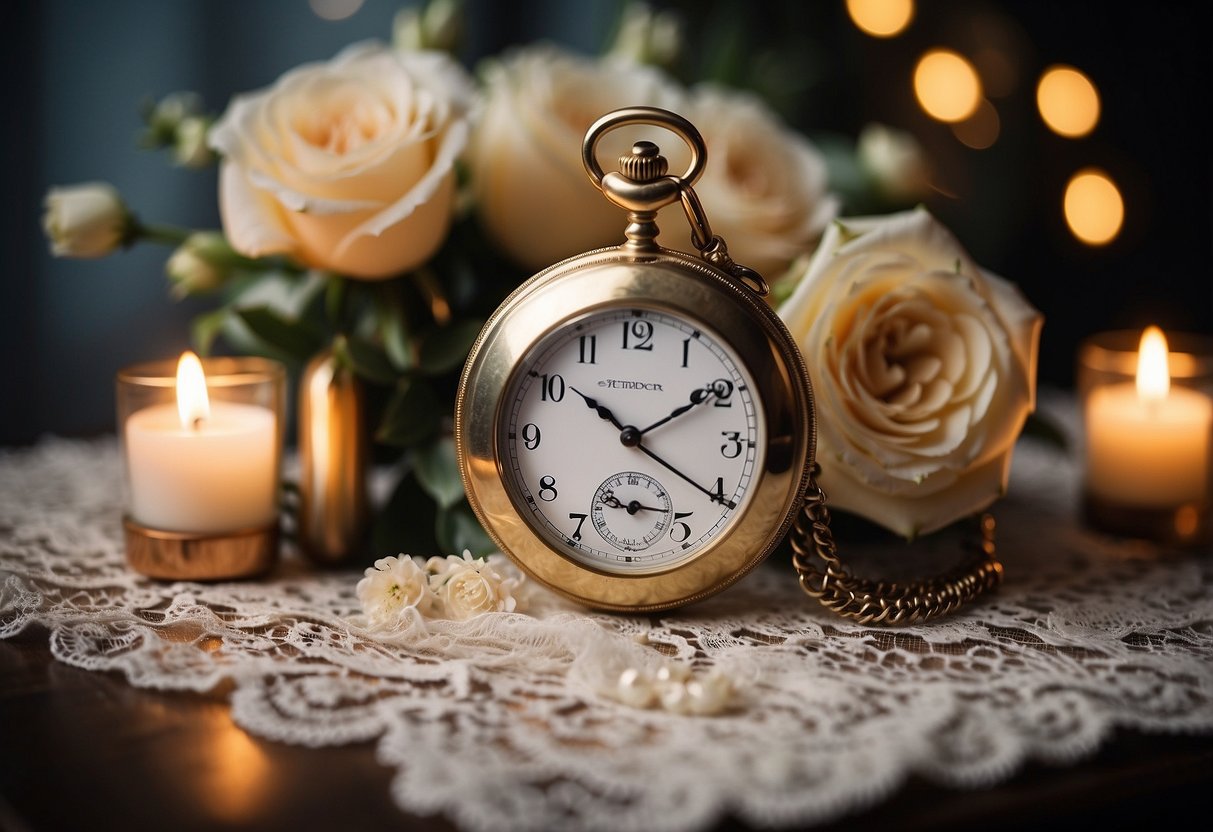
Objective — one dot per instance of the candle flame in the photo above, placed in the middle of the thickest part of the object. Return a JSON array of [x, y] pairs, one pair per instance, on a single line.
[[193, 405], [1153, 377]]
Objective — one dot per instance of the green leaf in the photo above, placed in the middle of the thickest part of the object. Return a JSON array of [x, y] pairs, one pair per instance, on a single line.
[[437, 470], [457, 529], [369, 362], [413, 415], [334, 300], [406, 523], [293, 338], [447, 347], [396, 339], [205, 328]]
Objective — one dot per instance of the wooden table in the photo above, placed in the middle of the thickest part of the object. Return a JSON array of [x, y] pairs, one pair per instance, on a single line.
[[85, 750]]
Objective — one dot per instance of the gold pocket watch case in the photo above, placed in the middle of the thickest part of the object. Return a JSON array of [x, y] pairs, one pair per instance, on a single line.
[[635, 425]]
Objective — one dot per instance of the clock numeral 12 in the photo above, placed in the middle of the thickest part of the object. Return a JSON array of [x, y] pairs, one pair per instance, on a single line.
[[642, 331]]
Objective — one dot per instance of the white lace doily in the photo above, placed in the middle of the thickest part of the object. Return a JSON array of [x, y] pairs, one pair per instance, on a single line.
[[501, 722]]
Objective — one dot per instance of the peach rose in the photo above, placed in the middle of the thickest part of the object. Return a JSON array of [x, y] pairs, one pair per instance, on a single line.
[[347, 165]]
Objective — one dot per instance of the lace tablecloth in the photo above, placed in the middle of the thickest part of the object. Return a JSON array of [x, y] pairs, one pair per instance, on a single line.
[[506, 721]]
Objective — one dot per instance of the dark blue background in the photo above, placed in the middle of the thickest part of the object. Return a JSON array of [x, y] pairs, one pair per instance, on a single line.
[[76, 71]]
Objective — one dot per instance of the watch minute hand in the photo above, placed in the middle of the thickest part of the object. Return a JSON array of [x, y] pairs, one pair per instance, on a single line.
[[698, 396], [712, 495]]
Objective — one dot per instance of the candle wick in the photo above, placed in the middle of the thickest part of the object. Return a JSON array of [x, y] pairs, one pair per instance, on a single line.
[[197, 423]]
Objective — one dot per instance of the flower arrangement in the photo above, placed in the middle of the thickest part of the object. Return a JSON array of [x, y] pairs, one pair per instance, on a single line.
[[381, 203]]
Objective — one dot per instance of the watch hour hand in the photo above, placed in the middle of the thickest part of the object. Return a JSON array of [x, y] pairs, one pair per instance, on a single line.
[[603, 411]]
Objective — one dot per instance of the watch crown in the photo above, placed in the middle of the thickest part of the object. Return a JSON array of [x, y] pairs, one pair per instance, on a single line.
[[644, 164]]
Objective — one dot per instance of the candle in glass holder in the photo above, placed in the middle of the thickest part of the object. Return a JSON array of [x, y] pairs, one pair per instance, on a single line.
[[202, 457], [1148, 446]]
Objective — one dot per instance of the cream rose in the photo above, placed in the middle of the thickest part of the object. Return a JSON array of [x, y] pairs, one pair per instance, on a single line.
[[764, 187], [346, 165], [86, 220], [923, 367], [391, 587], [468, 586], [530, 186]]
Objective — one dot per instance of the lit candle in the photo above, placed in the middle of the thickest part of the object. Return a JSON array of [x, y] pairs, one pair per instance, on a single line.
[[1148, 443], [201, 466]]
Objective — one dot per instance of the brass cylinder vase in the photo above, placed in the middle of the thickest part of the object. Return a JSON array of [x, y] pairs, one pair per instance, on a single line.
[[333, 451]]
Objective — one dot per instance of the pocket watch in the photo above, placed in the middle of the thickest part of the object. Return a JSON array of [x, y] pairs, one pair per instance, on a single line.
[[635, 425]]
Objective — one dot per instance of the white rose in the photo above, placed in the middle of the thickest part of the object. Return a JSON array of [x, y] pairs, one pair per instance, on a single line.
[[765, 186], [530, 186], [201, 264], [346, 165], [392, 586], [923, 367], [86, 220], [468, 586]]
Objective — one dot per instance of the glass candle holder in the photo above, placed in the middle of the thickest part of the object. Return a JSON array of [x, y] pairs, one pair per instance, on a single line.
[[202, 444], [1147, 412]]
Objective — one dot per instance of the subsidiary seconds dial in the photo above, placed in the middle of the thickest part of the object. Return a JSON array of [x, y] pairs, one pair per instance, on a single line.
[[632, 440]]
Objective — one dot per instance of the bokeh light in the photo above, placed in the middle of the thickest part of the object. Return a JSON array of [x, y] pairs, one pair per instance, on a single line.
[[981, 129], [1068, 101], [881, 18], [335, 9], [1095, 210], [947, 85]]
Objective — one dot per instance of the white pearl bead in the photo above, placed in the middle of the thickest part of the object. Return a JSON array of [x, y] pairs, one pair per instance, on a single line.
[[706, 698], [673, 673], [674, 698], [634, 689]]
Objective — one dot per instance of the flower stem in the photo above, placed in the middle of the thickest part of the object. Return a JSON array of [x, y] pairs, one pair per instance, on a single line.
[[168, 235]]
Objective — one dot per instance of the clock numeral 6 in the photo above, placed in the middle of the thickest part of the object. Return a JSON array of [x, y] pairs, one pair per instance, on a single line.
[[680, 531], [551, 387], [531, 435], [547, 489]]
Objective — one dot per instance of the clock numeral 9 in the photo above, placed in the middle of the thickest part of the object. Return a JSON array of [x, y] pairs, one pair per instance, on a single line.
[[642, 334], [531, 435], [547, 489], [551, 388], [680, 531]]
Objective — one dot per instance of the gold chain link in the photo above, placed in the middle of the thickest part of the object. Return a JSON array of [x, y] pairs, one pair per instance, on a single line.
[[880, 602]]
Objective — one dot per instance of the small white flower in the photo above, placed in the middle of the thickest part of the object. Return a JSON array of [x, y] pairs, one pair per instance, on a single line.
[[200, 264], [190, 149], [468, 586], [87, 220], [391, 586], [895, 161]]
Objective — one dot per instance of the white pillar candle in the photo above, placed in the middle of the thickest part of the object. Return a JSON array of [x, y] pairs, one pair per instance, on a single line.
[[202, 467], [1148, 444]]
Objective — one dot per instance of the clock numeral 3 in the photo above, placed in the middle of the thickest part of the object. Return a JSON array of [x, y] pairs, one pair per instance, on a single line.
[[641, 335], [531, 435], [731, 449], [547, 489]]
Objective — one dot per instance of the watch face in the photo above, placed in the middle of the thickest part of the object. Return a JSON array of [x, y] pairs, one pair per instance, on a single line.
[[631, 439]]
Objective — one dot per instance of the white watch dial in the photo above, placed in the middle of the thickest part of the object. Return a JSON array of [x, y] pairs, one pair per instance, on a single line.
[[631, 439]]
